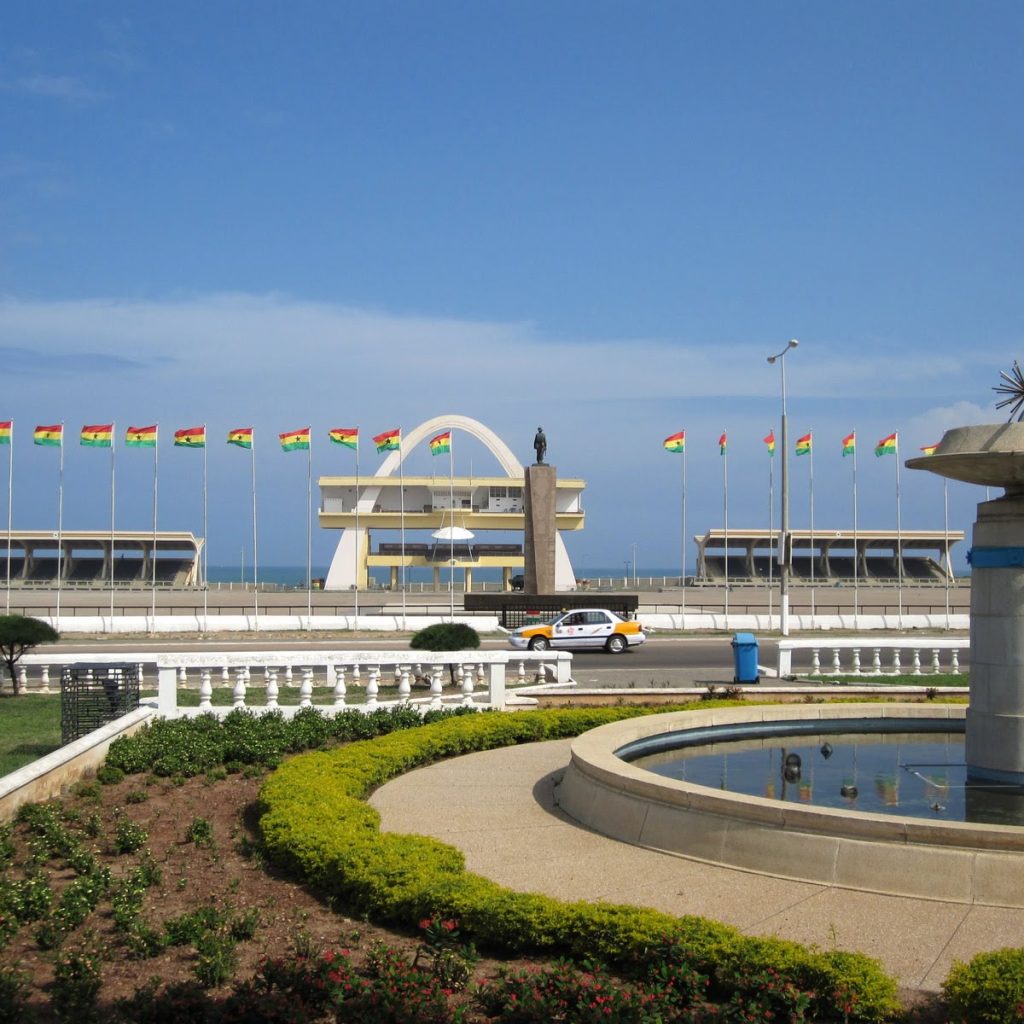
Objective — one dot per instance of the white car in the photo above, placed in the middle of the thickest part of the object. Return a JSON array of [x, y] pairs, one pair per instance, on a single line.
[[576, 630]]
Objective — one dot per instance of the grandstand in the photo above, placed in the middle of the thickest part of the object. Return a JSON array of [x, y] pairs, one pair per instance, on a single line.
[[93, 559], [828, 556]]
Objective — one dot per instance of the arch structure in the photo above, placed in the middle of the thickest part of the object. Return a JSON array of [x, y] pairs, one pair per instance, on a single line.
[[346, 500]]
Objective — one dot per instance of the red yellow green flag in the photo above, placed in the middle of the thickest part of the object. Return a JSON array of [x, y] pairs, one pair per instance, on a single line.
[[140, 437], [676, 443], [50, 436], [770, 442], [887, 446], [442, 444], [723, 443], [348, 436], [389, 441], [6, 426], [97, 435], [295, 440], [929, 449], [190, 437], [803, 445], [242, 437], [850, 444]]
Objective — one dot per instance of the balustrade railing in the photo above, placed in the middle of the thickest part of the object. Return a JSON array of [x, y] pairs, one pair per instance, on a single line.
[[270, 680], [866, 656]]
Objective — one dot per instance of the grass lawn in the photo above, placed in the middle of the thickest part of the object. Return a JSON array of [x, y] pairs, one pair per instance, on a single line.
[[925, 679], [29, 728]]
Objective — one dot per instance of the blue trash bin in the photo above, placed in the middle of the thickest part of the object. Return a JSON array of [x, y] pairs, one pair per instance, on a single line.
[[744, 653]]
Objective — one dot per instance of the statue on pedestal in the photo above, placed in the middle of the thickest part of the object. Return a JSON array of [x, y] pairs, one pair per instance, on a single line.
[[540, 445]]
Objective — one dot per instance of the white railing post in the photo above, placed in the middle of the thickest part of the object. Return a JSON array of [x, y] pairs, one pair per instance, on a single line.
[[916, 661], [896, 666], [239, 691], [815, 661], [205, 689], [306, 689], [272, 689], [856, 661], [183, 677], [496, 686], [876, 661], [836, 665], [404, 684], [44, 679], [936, 667], [954, 663], [467, 686], [371, 686], [339, 686], [167, 691], [435, 686], [785, 662]]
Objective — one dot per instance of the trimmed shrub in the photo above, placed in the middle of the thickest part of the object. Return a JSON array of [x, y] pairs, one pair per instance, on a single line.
[[988, 990], [315, 823], [446, 636]]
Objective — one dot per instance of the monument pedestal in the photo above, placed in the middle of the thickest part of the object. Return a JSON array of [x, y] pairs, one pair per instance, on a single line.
[[539, 539], [995, 719]]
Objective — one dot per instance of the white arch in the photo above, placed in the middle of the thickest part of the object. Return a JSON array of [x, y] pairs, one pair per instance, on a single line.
[[340, 573]]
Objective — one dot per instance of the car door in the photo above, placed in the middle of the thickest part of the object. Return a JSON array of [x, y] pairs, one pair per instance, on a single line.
[[569, 632], [599, 627]]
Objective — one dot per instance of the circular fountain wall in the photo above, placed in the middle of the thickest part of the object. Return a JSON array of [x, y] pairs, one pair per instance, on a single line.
[[953, 861]]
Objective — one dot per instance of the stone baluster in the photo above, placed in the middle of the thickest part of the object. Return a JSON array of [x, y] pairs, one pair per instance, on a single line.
[[481, 675], [467, 686], [896, 667], [435, 686], [44, 678], [856, 661], [239, 691], [954, 663], [522, 672], [205, 689], [142, 674], [225, 676], [398, 675], [836, 666], [459, 674], [356, 681], [182, 677], [876, 661], [306, 688], [288, 675], [404, 684], [272, 689], [339, 686], [815, 661], [936, 667], [371, 685], [916, 661]]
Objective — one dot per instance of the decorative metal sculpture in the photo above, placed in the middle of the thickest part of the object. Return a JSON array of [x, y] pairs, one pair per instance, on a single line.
[[1014, 389]]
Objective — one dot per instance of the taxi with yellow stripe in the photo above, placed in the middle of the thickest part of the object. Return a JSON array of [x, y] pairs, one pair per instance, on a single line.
[[579, 630]]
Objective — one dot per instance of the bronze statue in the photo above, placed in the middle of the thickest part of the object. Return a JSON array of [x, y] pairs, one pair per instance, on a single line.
[[540, 445]]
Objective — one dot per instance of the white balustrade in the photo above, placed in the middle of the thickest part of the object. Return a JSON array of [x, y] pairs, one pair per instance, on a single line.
[[892, 650]]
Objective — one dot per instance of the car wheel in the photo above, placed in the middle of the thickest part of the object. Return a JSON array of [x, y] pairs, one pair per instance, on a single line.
[[616, 644], [540, 643]]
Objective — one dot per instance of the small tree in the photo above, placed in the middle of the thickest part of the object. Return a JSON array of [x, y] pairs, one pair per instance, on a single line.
[[446, 636], [18, 634]]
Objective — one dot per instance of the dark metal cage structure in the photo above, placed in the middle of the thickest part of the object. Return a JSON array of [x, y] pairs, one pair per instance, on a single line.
[[92, 695], [518, 609]]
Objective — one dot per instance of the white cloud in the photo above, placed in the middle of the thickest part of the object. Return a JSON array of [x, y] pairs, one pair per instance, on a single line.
[[60, 87]]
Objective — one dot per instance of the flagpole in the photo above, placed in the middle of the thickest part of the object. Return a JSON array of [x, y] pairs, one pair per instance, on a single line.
[[451, 532], [156, 463], [771, 534], [113, 449], [856, 544], [811, 453], [401, 487], [60, 524], [255, 564], [682, 621], [899, 536], [309, 534], [725, 510], [204, 562], [357, 544], [10, 509], [945, 537]]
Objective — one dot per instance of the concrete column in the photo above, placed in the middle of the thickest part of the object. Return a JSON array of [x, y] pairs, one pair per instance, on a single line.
[[995, 718], [539, 541], [437, 577]]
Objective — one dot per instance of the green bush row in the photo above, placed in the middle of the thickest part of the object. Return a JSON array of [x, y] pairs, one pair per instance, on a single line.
[[315, 823]]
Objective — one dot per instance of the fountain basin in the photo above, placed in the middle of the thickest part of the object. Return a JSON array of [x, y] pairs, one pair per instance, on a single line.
[[957, 862]]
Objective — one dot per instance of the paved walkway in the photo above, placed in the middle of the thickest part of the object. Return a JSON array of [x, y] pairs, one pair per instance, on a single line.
[[498, 808]]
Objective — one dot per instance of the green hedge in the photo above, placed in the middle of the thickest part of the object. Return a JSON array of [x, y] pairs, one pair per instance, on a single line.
[[988, 990], [315, 823]]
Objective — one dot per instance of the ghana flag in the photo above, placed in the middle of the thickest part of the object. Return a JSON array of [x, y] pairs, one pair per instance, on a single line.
[[51, 436], [140, 437], [770, 442], [887, 446], [803, 445], [676, 443], [850, 444], [6, 426], [241, 437], [348, 436], [389, 441], [190, 437], [723, 444], [929, 449], [442, 444], [295, 440], [97, 435]]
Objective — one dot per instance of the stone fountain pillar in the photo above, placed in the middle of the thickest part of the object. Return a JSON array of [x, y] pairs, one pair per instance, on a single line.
[[992, 456]]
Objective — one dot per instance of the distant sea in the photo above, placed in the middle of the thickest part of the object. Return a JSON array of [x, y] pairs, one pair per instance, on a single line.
[[295, 575]]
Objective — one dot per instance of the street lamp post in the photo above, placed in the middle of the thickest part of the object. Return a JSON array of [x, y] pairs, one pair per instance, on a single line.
[[783, 554]]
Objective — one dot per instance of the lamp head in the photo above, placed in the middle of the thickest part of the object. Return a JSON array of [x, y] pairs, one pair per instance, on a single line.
[[792, 343]]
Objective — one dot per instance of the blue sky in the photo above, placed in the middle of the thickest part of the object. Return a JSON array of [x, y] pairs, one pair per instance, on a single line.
[[599, 217]]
